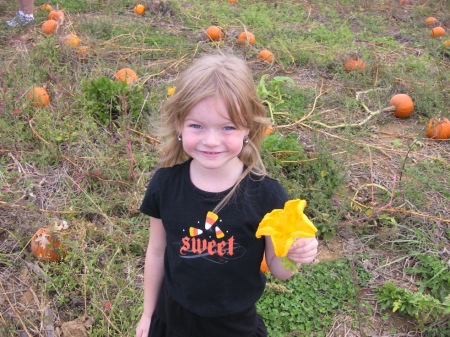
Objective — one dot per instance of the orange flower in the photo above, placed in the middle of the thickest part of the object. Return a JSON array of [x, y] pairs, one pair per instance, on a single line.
[[286, 225]]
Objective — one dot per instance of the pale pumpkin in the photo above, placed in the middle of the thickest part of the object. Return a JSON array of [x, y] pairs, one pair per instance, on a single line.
[[401, 105], [126, 74], [72, 40], [430, 21], [354, 63], [438, 128], [38, 97], [46, 246]]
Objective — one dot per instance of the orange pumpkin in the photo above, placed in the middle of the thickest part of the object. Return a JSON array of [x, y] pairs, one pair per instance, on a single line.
[[49, 26], [139, 9], [354, 63], [126, 74], [246, 37], [401, 105], [45, 246], [430, 21], [264, 267], [38, 97], [266, 55], [438, 128], [46, 7], [233, 1], [72, 40], [57, 15], [214, 33], [269, 130], [446, 43], [437, 32]]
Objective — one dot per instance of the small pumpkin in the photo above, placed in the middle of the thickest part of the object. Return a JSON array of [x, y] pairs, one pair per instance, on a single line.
[[126, 74], [269, 130], [401, 105], [430, 21], [139, 9], [233, 1], [438, 128], [46, 246], [57, 15], [437, 32], [446, 43], [246, 37], [83, 52], [46, 7], [266, 55], [38, 97], [214, 33], [72, 40], [49, 26], [264, 267], [354, 63]]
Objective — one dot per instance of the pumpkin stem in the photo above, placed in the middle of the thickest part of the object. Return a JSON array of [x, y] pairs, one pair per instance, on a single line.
[[389, 108]]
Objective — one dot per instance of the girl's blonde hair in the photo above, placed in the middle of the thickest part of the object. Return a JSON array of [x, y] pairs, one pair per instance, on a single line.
[[229, 78]]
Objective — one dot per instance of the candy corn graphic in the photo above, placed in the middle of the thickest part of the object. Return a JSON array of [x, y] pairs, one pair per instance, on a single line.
[[211, 218], [194, 231], [219, 233]]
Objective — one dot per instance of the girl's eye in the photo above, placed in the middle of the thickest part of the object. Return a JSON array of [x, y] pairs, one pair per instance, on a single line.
[[195, 126], [229, 128]]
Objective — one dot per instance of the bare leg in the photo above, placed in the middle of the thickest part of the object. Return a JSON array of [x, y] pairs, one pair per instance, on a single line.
[[27, 6]]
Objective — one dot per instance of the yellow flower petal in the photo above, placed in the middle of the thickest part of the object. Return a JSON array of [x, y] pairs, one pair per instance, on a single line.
[[286, 225]]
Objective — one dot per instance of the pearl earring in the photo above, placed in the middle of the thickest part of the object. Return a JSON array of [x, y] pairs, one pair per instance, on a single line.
[[246, 140], [179, 138]]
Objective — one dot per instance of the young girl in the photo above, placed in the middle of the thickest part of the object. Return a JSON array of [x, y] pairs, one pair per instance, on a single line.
[[202, 268]]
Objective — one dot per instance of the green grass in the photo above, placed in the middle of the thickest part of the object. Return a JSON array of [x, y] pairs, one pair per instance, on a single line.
[[382, 188]]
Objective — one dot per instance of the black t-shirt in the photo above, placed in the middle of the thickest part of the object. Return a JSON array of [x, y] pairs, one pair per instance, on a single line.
[[212, 261]]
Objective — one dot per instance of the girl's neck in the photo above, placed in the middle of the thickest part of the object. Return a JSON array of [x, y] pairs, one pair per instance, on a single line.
[[215, 180]]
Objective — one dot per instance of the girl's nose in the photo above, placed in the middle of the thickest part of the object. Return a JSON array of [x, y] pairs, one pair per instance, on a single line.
[[211, 138]]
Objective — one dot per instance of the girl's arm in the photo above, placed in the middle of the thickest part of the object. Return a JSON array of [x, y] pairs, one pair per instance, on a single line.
[[302, 251], [153, 273]]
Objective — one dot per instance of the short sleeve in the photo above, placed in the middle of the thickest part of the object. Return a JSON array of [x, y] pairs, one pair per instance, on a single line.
[[150, 203]]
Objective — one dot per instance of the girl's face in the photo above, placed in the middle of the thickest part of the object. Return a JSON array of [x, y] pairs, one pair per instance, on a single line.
[[210, 137]]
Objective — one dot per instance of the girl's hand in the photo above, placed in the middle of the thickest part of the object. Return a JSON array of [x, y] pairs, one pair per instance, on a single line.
[[303, 250], [143, 327]]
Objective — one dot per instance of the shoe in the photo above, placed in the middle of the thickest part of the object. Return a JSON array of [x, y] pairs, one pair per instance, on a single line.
[[21, 19]]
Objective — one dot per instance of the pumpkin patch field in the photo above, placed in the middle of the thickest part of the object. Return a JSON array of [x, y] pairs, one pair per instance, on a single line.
[[358, 95]]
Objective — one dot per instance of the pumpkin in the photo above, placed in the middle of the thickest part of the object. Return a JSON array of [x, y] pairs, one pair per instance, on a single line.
[[401, 105], [49, 26], [264, 267], [430, 21], [56, 15], [126, 74], [405, 2], [233, 1], [354, 63], [45, 246], [437, 32], [269, 130], [446, 43], [139, 9], [214, 33], [438, 128], [246, 37], [82, 52], [266, 55], [46, 7], [38, 97], [72, 40]]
